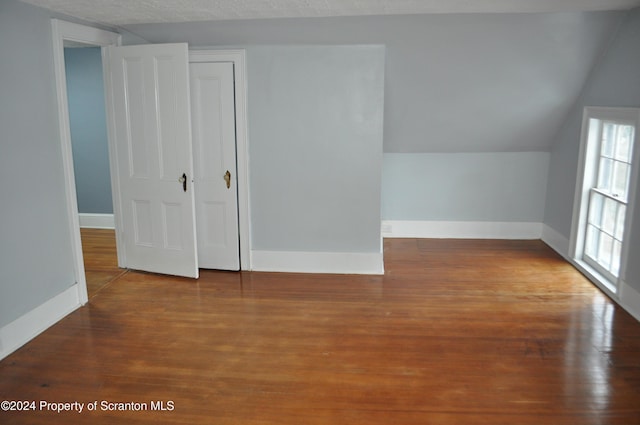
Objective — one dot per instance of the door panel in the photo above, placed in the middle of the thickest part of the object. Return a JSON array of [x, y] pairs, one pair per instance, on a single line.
[[214, 140], [151, 107]]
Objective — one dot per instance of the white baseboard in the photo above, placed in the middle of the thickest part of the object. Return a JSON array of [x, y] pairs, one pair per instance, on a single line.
[[556, 241], [629, 299], [560, 244], [460, 229], [97, 221], [25, 328], [317, 262], [626, 297]]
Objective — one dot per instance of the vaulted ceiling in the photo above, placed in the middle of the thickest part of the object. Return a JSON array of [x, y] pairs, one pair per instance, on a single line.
[[122, 12], [456, 81]]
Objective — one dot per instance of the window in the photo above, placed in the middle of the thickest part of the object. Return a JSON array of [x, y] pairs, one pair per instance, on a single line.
[[603, 197], [608, 199]]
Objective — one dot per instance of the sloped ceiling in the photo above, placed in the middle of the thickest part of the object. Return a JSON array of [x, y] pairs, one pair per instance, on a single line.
[[455, 82]]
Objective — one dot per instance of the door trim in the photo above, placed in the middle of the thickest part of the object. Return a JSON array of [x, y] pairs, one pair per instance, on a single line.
[[238, 58], [66, 31]]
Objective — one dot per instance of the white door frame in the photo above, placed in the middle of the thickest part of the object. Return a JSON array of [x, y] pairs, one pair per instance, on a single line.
[[66, 31], [238, 58]]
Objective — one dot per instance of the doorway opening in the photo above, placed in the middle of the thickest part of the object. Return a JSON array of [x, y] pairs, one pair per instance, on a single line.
[[65, 32], [69, 34], [90, 148]]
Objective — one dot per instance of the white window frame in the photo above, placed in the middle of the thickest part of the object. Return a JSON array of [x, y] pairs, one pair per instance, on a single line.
[[585, 181], [592, 261]]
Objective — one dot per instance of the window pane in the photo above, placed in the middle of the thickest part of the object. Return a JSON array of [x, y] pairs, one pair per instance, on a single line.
[[605, 249], [605, 173], [608, 174], [623, 144], [620, 222], [620, 180], [608, 139], [609, 215], [595, 209], [591, 243], [615, 261]]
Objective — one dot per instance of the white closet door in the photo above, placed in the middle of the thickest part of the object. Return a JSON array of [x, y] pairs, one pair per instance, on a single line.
[[214, 141]]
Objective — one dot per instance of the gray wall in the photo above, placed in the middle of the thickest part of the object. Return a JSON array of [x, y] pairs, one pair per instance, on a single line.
[[87, 119], [614, 82], [458, 84], [35, 247], [454, 83], [315, 126], [465, 187]]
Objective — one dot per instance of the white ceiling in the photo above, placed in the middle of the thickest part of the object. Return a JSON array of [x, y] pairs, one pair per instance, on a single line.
[[122, 12]]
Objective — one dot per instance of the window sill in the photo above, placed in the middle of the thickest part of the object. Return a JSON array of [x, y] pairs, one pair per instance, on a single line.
[[608, 287]]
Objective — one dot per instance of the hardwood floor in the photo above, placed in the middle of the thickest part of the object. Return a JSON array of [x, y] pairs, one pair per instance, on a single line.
[[100, 258], [455, 332]]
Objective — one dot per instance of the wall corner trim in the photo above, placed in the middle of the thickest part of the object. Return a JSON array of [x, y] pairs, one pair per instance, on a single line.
[[461, 229], [318, 262], [629, 299], [626, 297], [25, 328], [97, 221], [558, 242]]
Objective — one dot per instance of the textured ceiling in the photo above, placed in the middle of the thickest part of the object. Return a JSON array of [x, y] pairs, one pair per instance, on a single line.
[[122, 12]]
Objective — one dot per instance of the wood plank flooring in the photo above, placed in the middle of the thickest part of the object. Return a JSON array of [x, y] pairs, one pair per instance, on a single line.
[[100, 258], [455, 332]]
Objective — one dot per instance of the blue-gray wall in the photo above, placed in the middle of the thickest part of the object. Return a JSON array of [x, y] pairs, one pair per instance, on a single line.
[[87, 119], [614, 82], [454, 83], [470, 86], [35, 247], [315, 126], [465, 186]]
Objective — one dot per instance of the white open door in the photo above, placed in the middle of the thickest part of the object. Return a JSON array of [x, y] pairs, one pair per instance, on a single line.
[[151, 121], [214, 142]]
